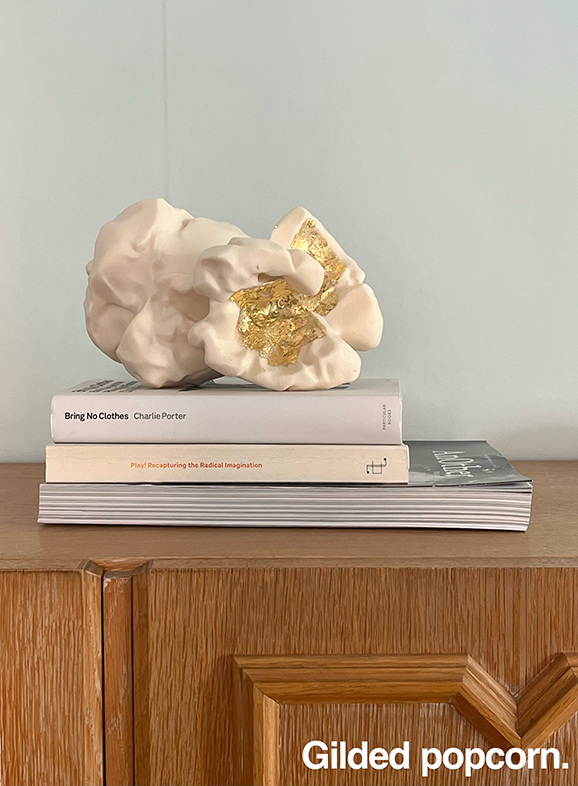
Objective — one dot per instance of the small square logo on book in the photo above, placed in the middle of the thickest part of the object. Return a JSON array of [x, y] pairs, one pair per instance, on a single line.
[[376, 469]]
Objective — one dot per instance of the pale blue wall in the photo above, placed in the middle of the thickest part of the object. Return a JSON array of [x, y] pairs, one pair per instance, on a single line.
[[436, 140]]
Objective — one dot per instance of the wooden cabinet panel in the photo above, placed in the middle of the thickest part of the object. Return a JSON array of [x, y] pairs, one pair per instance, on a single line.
[[502, 608], [382, 725], [192, 624], [50, 677], [426, 725], [262, 684]]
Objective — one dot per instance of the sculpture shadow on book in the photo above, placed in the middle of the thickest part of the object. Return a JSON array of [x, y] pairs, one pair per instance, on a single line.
[[181, 300]]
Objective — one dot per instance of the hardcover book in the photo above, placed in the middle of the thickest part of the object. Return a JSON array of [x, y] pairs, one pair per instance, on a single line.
[[70, 463], [367, 412]]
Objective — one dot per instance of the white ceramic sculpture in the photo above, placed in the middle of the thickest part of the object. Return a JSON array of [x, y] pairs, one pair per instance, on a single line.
[[140, 302], [181, 300]]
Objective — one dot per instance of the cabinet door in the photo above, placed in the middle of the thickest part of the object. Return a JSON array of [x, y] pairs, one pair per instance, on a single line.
[[236, 669], [50, 677]]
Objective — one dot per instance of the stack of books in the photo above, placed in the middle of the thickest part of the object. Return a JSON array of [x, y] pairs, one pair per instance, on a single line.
[[232, 454]]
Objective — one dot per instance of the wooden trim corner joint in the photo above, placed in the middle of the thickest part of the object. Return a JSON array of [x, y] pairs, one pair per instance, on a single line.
[[262, 683]]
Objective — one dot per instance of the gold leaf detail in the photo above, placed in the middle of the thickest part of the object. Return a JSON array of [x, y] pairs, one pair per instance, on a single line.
[[277, 321]]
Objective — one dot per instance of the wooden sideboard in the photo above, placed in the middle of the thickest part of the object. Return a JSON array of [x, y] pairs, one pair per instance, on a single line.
[[211, 656]]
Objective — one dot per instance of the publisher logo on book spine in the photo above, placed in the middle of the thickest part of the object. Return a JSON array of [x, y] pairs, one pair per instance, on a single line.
[[376, 469]]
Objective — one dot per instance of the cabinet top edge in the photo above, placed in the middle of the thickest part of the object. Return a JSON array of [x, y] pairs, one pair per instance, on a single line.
[[551, 540]]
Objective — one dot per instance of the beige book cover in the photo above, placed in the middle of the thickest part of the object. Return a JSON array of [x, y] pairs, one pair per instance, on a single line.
[[134, 463]]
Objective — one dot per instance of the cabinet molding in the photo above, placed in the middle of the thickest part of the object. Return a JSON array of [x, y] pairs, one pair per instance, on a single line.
[[118, 677], [117, 629], [92, 673], [548, 701], [263, 683]]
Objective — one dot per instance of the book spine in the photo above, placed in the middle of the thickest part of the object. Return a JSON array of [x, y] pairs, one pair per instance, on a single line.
[[259, 418], [227, 464]]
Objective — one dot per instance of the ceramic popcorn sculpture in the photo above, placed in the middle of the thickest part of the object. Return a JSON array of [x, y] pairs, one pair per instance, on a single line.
[[140, 303], [180, 300]]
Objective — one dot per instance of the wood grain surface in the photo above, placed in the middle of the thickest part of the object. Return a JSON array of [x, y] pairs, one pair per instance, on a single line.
[[552, 539], [263, 683], [51, 677], [179, 604], [382, 725], [143, 737], [118, 677], [193, 622]]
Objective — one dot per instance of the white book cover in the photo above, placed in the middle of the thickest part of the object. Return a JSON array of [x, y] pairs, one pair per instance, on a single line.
[[367, 412], [232, 463], [503, 506]]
